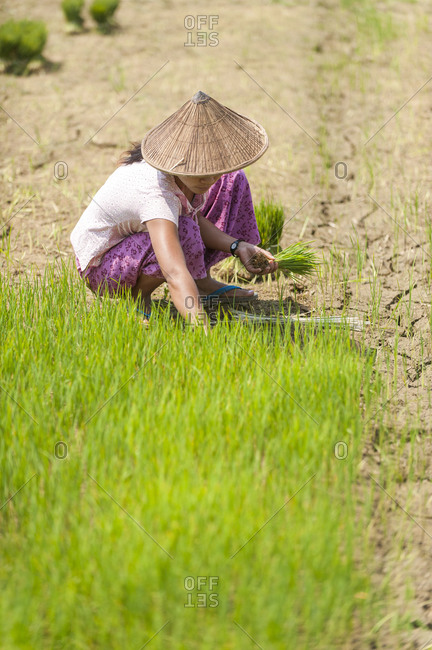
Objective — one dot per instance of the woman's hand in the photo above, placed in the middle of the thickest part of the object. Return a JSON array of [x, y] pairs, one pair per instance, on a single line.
[[220, 241], [256, 260]]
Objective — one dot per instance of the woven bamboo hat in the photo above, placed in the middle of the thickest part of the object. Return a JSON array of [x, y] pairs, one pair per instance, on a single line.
[[204, 138]]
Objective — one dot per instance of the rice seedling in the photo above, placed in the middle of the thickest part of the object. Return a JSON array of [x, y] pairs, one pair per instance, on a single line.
[[5, 240], [430, 319], [376, 294], [360, 252]]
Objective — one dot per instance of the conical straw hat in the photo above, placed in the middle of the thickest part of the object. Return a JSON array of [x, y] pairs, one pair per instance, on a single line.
[[204, 138]]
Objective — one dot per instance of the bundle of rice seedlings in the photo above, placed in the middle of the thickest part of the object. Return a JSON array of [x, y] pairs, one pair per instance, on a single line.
[[270, 220], [298, 259], [102, 12], [295, 260], [21, 41], [72, 10], [353, 322]]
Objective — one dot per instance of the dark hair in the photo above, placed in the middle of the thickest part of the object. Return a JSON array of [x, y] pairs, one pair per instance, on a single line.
[[131, 155]]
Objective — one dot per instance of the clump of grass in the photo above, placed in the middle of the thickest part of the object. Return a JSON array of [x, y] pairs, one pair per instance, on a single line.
[[270, 219], [21, 41], [72, 10], [102, 12]]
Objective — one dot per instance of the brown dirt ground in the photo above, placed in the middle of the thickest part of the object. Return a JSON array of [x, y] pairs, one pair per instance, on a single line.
[[322, 80]]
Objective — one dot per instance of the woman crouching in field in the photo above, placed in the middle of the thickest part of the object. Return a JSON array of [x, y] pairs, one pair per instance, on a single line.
[[177, 204]]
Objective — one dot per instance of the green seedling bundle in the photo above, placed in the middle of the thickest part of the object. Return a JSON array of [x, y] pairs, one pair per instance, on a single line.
[[296, 260]]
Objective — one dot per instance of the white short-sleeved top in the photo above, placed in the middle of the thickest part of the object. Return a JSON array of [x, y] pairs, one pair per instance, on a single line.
[[132, 195]]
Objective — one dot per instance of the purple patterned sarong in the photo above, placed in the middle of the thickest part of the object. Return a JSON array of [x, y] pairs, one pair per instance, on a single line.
[[229, 206]]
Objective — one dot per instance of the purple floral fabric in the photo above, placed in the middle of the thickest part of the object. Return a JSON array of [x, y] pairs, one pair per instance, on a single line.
[[229, 206]]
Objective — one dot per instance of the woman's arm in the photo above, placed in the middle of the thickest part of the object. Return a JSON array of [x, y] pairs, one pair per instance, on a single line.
[[220, 241], [170, 257]]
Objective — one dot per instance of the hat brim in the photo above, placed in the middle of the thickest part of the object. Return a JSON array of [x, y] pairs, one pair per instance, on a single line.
[[208, 141]]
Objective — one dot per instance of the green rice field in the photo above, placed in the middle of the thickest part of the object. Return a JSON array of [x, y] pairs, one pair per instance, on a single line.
[[164, 482]]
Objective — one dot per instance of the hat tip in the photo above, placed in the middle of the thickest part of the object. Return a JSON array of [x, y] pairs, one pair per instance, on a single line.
[[200, 98]]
